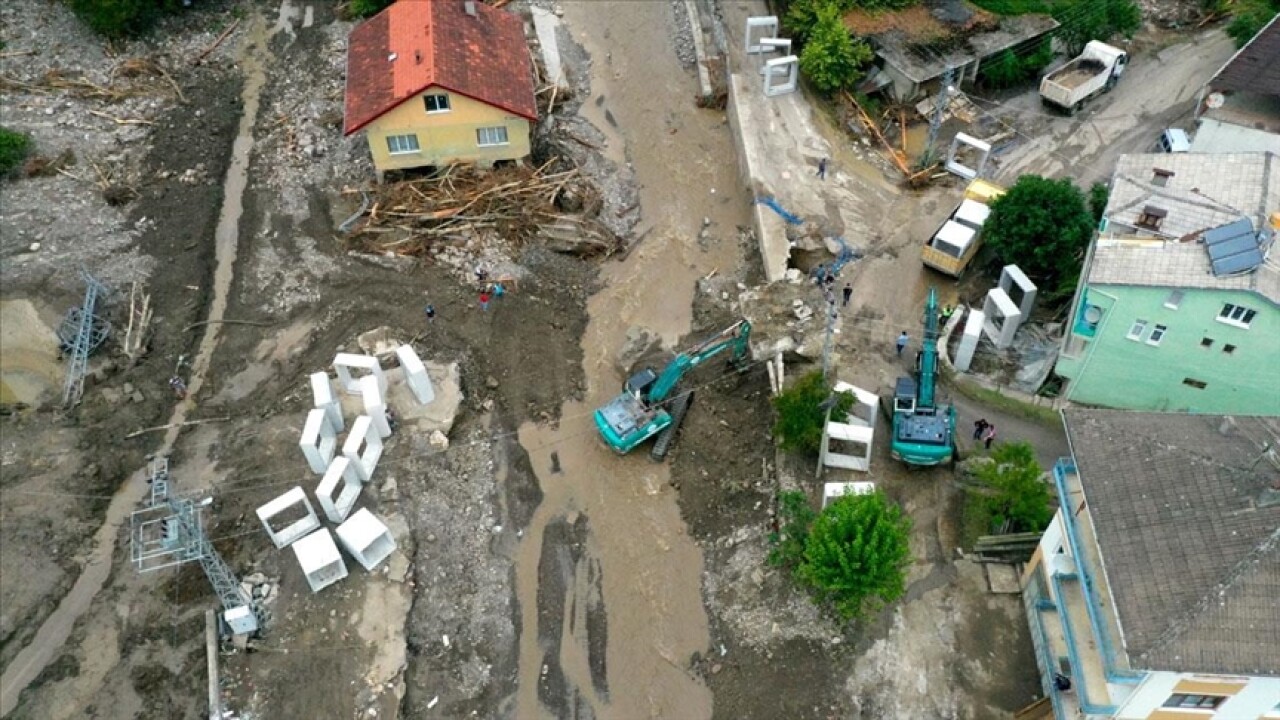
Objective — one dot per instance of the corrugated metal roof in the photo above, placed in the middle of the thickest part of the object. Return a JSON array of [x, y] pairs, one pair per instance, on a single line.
[[1256, 68]]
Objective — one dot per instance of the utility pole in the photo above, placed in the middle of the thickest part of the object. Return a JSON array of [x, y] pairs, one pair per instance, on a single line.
[[940, 106]]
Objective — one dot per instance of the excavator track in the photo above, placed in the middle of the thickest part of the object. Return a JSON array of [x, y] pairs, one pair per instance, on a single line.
[[679, 406]]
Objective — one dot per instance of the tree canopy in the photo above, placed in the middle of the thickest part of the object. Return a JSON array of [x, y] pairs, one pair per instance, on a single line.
[[1017, 494], [856, 554], [801, 414], [1085, 20], [1043, 226], [831, 58]]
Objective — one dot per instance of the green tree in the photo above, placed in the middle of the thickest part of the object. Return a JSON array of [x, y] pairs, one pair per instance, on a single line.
[[1002, 71], [802, 415], [856, 554], [122, 18], [1099, 193], [1018, 496], [14, 147], [795, 517], [831, 58], [1085, 20], [1249, 17], [365, 8], [1041, 225]]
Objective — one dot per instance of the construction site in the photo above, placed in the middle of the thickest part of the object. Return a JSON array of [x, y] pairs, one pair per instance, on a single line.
[[272, 447]]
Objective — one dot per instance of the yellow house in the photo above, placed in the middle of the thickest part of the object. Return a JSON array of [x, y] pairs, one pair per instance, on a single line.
[[437, 82]]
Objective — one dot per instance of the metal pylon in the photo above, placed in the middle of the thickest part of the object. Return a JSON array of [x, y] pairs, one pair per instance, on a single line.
[[81, 333]]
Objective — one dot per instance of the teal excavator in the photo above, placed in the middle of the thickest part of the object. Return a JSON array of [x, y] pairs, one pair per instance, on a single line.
[[647, 406], [923, 431]]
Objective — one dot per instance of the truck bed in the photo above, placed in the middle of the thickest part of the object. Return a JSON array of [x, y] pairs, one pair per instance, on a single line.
[[1077, 73]]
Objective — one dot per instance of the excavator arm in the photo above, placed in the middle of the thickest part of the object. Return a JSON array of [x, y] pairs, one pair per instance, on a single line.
[[929, 354], [734, 337]]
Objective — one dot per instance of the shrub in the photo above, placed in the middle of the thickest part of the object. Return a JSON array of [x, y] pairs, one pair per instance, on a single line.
[[1040, 225], [1085, 20], [856, 553], [802, 415], [1099, 193], [795, 517], [365, 8], [122, 18], [1249, 17], [1002, 71], [1016, 494], [14, 147], [831, 58]]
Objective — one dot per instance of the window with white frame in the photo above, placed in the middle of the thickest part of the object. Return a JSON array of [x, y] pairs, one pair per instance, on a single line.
[[1237, 315], [436, 103], [400, 144], [1207, 702], [1157, 334], [1137, 329], [491, 136], [1174, 300]]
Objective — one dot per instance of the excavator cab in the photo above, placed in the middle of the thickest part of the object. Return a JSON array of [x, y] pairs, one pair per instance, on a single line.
[[638, 385]]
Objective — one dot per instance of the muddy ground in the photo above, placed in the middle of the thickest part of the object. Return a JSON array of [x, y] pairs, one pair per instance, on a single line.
[[537, 575]]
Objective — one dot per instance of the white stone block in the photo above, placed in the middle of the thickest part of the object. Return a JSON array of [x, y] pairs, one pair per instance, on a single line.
[[765, 26], [1002, 318], [342, 478], [344, 363], [1015, 282], [319, 441], [366, 539], [415, 375], [299, 517], [969, 341], [320, 560], [375, 407], [363, 447], [857, 429], [322, 397], [788, 69], [241, 620]]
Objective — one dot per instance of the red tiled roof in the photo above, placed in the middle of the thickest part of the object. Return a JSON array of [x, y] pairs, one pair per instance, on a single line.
[[435, 42]]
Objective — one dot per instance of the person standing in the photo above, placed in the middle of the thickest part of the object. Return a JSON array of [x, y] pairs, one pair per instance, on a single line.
[[499, 290], [988, 436], [979, 427], [848, 293], [431, 313], [484, 299], [822, 169], [179, 387], [903, 339]]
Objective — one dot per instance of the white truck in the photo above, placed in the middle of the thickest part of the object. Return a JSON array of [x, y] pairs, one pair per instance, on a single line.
[[1094, 72]]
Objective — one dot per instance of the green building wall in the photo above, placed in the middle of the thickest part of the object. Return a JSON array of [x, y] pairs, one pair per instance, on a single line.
[[1114, 371]]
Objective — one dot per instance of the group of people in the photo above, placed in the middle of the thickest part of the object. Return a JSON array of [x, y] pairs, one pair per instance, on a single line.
[[984, 431]]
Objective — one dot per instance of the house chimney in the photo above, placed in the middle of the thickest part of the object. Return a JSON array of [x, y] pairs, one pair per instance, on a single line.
[[470, 7]]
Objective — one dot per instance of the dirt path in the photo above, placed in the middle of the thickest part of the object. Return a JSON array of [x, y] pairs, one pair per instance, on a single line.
[[608, 579], [51, 636]]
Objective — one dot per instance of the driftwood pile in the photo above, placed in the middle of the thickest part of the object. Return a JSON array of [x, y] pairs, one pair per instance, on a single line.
[[132, 77], [519, 204]]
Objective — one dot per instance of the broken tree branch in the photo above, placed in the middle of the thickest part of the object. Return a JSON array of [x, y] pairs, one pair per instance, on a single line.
[[227, 322], [144, 431], [225, 33]]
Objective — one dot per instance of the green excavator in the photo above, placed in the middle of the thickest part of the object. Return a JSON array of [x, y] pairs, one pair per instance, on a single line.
[[923, 431], [647, 405]]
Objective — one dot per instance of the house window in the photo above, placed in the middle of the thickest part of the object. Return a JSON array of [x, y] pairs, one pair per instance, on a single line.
[[1157, 334], [1151, 217], [1207, 343], [1237, 315], [1205, 702], [1137, 329], [1228, 349], [1197, 384], [400, 144], [491, 136], [1174, 300], [436, 103]]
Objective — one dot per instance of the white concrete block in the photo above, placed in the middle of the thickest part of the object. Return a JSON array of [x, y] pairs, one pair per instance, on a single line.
[[363, 447], [241, 620], [340, 477], [344, 363], [375, 407], [322, 397], [320, 560], [1002, 318], [857, 428], [415, 375], [765, 26], [292, 502], [1012, 277], [969, 341], [782, 75], [366, 539], [957, 168], [319, 441], [834, 490]]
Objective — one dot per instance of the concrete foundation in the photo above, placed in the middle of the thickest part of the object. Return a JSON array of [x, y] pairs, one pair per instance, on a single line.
[[375, 408], [1019, 288], [344, 363], [291, 502], [415, 375], [969, 341], [319, 441], [322, 397], [1002, 318], [363, 448], [342, 478], [320, 560], [366, 539]]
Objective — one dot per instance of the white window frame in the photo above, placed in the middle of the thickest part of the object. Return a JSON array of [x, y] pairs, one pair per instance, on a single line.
[[441, 97], [498, 129], [405, 139], [1137, 330], [1157, 334], [1173, 300], [1237, 315]]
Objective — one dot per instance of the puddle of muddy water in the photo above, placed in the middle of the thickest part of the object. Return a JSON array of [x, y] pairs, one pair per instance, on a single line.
[[29, 369], [51, 636], [615, 629]]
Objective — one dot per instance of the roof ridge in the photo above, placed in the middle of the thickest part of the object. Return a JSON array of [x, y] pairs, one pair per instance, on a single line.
[[1186, 621]]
